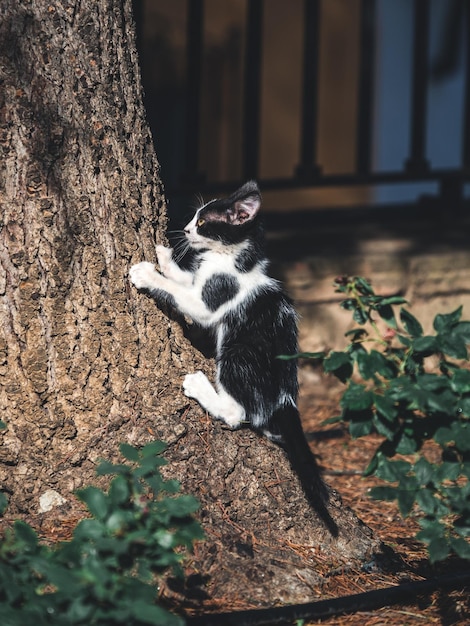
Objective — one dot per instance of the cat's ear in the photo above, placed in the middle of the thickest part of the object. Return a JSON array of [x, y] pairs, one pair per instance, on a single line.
[[244, 210], [246, 204]]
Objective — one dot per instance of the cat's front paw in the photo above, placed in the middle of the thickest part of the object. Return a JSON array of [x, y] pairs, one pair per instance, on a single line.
[[194, 385], [165, 259], [143, 275]]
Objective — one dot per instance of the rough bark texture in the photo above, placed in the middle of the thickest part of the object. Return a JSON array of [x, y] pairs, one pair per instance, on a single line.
[[87, 362]]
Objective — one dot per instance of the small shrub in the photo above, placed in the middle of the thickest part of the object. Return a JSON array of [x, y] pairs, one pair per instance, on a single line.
[[410, 388], [106, 574]]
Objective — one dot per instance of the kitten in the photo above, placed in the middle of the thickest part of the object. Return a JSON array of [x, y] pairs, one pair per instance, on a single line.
[[227, 291]]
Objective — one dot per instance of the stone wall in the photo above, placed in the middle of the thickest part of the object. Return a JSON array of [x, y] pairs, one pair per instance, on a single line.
[[427, 264]]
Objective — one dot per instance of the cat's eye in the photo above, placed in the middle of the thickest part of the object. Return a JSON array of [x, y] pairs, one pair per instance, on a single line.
[[201, 221]]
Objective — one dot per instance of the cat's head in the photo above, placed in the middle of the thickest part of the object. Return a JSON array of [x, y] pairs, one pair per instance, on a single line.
[[227, 221]]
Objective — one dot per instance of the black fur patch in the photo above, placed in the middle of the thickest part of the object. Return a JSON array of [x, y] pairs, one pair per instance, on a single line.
[[257, 332], [220, 288], [248, 258]]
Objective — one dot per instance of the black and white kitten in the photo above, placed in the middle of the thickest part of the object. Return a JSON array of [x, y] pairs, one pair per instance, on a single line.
[[227, 291]]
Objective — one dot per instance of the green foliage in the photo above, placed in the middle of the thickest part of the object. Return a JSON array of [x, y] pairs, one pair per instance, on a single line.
[[410, 388], [107, 573]]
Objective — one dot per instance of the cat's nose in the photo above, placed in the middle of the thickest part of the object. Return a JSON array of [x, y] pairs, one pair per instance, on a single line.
[[187, 231]]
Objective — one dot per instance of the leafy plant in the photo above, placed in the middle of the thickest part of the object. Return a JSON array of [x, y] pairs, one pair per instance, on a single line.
[[410, 388], [106, 574]]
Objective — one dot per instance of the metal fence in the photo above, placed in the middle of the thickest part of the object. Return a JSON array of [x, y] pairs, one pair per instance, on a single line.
[[309, 171]]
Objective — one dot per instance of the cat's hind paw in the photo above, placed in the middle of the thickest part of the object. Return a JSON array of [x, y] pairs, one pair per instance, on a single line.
[[197, 386]]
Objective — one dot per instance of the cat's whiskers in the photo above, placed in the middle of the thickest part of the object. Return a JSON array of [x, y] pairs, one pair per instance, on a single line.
[[181, 248]]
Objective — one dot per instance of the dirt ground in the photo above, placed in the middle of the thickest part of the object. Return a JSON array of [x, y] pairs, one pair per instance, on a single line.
[[343, 461]]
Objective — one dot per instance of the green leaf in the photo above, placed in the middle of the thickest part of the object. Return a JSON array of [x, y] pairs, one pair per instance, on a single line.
[[431, 530], [26, 534], [360, 428], [443, 323], [3, 503], [88, 530], [383, 427], [407, 444], [182, 506], [106, 467], [118, 520], [365, 364], [406, 499], [462, 436], [463, 329], [458, 433], [423, 471], [443, 435], [360, 316], [356, 334], [393, 300], [152, 614], [460, 381], [119, 490], [349, 305], [442, 402], [464, 406], [339, 363], [336, 419], [363, 286], [432, 382], [319, 356], [302, 355], [405, 341], [426, 345], [356, 397], [383, 493], [411, 324], [387, 314], [438, 549], [453, 345], [426, 501], [96, 501], [373, 464], [154, 448], [129, 452], [386, 407], [392, 471], [460, 547], [446, 471], [383, 366]]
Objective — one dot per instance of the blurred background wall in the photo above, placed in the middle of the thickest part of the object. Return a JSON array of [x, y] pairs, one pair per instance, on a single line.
[[353, 115]]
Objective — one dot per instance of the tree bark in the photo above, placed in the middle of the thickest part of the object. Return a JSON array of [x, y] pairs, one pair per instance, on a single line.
[[87, 362]]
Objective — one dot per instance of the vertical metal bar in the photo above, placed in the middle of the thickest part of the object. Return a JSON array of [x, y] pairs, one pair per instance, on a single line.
[[365, 104], [138, 11], [252, 89], [194, 56], [417, 161], [466, 103], [308, 167]]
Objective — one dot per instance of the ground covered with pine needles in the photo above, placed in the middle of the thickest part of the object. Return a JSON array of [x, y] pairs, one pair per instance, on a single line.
[[343, 460]]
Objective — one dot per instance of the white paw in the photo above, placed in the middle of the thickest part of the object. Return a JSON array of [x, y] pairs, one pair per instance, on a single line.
[[196, 385], [165, 260], [143, 275]]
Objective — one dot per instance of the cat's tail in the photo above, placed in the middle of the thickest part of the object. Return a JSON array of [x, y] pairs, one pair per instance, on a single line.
[[303, 462]]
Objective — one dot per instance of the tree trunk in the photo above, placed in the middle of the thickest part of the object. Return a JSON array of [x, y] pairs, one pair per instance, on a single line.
[[86, 361]]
